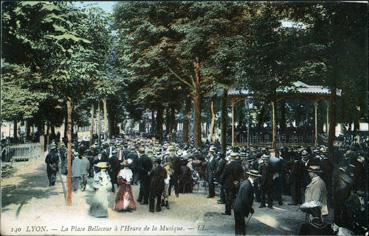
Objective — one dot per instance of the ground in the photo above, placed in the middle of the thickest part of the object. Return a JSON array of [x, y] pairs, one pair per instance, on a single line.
[[30, 206]]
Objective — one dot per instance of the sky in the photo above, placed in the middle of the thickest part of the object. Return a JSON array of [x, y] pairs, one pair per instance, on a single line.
[[106, 6]]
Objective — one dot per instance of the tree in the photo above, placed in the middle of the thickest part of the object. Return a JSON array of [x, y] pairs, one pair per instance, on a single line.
[[269, 57], [143, 48], [336, 39], [57, 50]]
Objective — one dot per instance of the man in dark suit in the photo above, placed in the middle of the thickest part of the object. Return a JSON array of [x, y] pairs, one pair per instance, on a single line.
[[52, 164], [157, 177], [233, 173], [145, 167], [296, 180], [244, 201], [175, 162], [114, 168], [266, 182], [221, 163], [211, 169]]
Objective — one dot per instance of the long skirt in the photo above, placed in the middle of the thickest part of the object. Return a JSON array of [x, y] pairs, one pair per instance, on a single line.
[[124, 199], [99, 205]]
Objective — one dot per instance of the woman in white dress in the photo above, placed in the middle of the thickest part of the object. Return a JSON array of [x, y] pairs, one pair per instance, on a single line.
[[124, 200], [101, 185]]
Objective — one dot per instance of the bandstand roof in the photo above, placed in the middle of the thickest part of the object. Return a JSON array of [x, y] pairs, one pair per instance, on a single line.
[[297, 88]]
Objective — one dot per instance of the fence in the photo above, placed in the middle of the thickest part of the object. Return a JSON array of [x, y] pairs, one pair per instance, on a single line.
[[282, 139], [21, 152]]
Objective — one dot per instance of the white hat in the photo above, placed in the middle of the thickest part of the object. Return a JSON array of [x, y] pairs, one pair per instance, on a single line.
[[265, 156], [304, 152], [360, 159], [234, 155]]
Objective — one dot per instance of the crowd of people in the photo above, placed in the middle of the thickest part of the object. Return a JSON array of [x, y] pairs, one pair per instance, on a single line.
[[241, 176]]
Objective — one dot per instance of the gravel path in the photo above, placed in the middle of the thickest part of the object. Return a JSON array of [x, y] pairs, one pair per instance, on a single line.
[[31, 207]]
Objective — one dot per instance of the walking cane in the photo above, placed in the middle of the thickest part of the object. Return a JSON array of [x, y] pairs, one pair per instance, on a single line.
[[249, 219], [248, 223]]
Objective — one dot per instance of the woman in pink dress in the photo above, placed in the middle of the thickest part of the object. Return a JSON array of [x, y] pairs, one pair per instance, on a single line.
[[124, 200]]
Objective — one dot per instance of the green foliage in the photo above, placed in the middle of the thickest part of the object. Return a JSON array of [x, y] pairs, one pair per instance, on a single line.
[[143, 56], [64, 51], [18, 102], [336, 52]]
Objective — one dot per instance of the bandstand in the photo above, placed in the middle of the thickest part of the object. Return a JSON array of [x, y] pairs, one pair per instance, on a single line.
[[298, 90]]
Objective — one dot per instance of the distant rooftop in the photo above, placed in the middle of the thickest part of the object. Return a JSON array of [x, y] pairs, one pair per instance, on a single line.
[[297, 87]]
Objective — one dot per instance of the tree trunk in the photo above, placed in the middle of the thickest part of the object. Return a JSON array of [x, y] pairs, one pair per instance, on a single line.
[[167, 122], [47, 133], [152, 130], [159, 124], [357, 130], [282, 122], [186, 121], [92, 123], [98, 115], [28, 129], [356, 125], [40, 130], [173, 123], [73, 131], [69, 152], [274, 128], [66, 129], [112, 121], [141, 126], [106, 125], [332, 123], [197, 126], [320, 120], [213, 119], [233, 103], [15, 130], [197, 103], [223, 127], [53, 134]]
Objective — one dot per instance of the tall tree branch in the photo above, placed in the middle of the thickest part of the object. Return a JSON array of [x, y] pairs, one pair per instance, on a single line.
[[180, 78]]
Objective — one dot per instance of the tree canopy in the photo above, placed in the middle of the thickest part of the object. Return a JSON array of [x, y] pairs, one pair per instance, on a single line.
[[150, 56]]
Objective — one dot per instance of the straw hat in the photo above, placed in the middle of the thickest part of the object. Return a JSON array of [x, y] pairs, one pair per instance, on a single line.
[[360, 159], [141, 149], [171, 148], [102, 165], [234, 155], [314, 169], [254, 173]]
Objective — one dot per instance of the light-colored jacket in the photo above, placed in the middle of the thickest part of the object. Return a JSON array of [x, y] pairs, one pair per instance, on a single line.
[[76, 167], [85, 166], [317, 191], [80, 167]]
